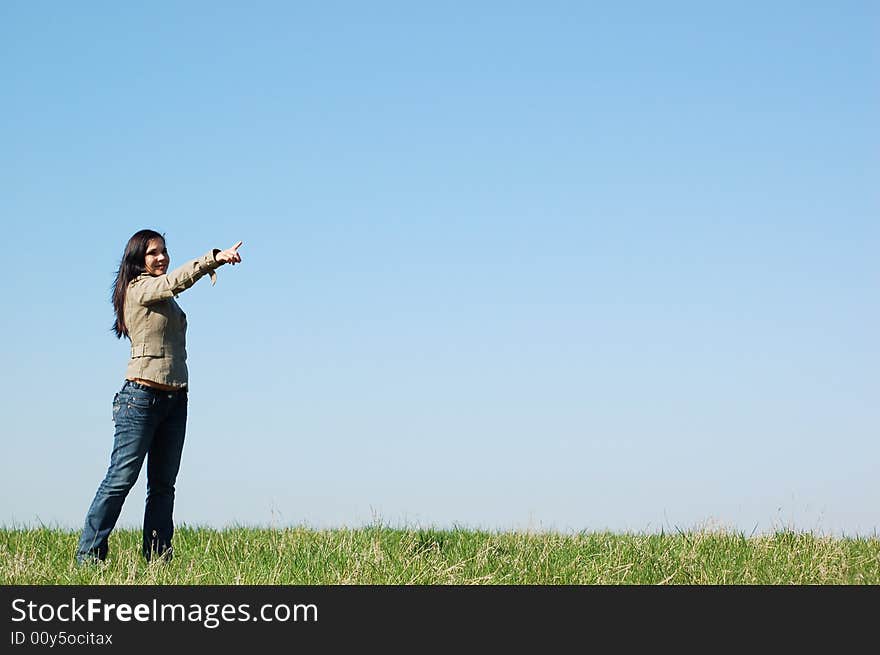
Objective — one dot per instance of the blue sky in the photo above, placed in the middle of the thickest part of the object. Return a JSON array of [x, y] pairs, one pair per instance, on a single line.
[[555, 265]]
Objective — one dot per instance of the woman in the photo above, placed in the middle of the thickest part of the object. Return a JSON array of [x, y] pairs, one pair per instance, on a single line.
[[150, 410]]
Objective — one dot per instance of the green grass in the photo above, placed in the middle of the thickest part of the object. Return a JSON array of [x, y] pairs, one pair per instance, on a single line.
[[383, 555]]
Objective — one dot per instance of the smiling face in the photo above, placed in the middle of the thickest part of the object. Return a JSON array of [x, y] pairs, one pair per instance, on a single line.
[[157, 259]]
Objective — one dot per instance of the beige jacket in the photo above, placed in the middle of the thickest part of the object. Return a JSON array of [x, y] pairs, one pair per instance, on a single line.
[[156, 323]]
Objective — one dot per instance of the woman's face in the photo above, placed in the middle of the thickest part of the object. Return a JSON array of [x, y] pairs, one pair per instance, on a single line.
[[156, 261]]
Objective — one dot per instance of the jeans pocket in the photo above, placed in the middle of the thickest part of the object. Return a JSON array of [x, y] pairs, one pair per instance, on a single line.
[[139, 399], [116, 405]]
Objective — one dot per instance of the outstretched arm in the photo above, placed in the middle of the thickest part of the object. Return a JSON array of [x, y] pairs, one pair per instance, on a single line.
[[146, 290]]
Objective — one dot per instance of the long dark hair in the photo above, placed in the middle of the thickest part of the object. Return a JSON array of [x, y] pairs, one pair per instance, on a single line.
[[133, 264]]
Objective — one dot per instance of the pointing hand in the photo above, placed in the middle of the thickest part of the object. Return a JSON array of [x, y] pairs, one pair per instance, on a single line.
[[229, 256]]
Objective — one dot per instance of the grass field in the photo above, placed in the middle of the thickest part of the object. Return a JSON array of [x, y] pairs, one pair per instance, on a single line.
[[383, 555]]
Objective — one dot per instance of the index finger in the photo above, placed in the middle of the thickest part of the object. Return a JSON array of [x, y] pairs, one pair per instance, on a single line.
[[236, 246]]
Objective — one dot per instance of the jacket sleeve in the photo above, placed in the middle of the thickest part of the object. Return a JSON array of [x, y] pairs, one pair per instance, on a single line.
[[149, 289]]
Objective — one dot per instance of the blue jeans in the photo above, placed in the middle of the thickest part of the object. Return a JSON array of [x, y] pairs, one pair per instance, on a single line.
[[149, 423]]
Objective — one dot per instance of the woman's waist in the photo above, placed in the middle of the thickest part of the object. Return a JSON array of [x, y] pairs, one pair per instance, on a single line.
[[159, 386]]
